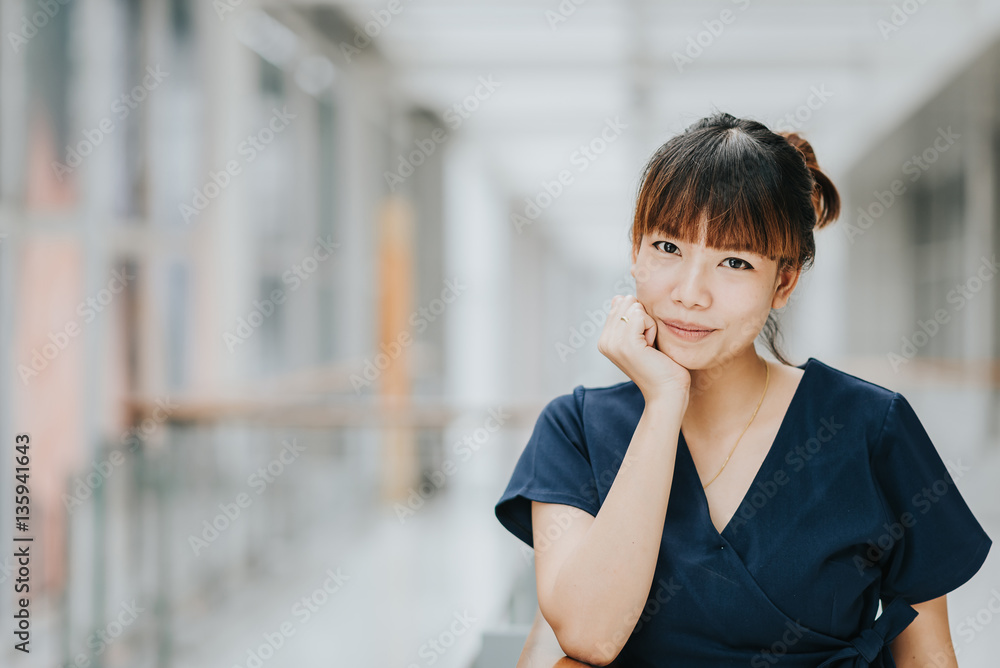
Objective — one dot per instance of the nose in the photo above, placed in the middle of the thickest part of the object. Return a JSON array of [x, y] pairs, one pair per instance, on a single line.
[[690, 288]]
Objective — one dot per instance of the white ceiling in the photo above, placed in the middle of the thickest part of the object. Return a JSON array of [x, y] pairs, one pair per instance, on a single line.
[[615, 59]]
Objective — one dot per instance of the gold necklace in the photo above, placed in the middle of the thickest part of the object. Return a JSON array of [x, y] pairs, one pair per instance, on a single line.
[[767, 377]]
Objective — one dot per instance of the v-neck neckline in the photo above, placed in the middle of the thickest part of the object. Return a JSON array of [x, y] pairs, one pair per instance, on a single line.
[[772, 452]]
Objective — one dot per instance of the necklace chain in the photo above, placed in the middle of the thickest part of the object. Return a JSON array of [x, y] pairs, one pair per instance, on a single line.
[[767, 377]]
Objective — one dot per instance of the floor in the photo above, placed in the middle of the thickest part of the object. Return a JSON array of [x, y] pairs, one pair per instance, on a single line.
[[421, 591]]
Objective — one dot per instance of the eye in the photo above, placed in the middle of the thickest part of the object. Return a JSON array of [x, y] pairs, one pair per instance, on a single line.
[[747, 267], [670, 248]]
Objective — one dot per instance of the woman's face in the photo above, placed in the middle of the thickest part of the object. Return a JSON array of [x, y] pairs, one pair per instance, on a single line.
[[728, 292]]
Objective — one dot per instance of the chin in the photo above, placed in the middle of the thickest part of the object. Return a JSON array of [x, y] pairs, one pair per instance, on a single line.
[[685, 357]]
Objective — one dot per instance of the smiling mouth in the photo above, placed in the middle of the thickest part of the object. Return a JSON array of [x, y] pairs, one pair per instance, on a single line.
[[687, 334]]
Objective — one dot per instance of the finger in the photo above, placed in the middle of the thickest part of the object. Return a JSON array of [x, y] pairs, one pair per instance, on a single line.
[[619, 305], [650, 332], [636, 318], [612, 324], [645, 326]]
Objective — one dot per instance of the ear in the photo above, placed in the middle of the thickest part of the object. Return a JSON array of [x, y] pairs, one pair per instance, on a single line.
[[785, 283], [635, 259]]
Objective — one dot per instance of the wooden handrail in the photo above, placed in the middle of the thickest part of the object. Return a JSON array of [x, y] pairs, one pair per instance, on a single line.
[[295, 400], [937, 372], [313, 412]]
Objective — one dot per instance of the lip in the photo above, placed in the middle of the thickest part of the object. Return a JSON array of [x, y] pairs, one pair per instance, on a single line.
[[687, 331], [689, 326]]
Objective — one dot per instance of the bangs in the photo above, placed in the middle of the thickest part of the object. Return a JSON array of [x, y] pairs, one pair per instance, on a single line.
[[720, 189]]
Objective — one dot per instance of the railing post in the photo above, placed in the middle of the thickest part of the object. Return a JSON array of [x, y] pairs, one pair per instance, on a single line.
[[99, 596], [162, 477]]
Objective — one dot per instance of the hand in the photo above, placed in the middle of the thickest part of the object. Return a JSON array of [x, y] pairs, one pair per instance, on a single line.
[[631, 346]]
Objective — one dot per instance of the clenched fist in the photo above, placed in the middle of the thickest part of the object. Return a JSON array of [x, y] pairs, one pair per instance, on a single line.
[[630, 345]]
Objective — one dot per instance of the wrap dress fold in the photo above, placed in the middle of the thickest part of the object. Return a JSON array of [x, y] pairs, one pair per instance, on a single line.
[[852, 509]]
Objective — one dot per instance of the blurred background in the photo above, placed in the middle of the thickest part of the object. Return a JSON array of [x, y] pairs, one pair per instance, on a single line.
[[284, 286]]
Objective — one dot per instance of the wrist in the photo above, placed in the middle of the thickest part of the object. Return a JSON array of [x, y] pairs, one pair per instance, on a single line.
[[667, 401]]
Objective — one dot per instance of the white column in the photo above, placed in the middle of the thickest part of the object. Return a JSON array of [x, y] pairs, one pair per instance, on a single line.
[[476, 256]]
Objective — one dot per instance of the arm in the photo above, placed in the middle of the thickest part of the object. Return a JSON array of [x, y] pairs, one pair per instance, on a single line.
[[542, 649], [927, 640], [593, 574]]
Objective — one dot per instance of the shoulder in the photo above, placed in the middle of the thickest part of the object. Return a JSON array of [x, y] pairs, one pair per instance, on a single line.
[[606, 407], [837, 387], [624, 392], [588, 400], [603, 415], [873, 409]]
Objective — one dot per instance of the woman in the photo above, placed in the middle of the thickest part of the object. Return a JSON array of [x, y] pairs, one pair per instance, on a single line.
[[722, 510]]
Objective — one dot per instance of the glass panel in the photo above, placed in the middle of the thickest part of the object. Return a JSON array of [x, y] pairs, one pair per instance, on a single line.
[[327, 228], [49, 176]]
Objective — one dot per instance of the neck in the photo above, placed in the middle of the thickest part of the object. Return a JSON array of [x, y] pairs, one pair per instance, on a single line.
[[723, 397]]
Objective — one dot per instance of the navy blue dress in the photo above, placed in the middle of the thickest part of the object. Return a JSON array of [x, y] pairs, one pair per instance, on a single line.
[[851, 506]]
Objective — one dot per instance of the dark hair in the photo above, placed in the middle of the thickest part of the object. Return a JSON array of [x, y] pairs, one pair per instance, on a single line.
[[743, 187]]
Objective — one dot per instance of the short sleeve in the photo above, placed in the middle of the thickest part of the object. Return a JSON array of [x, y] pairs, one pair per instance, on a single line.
[[554, 467], [931, 542]]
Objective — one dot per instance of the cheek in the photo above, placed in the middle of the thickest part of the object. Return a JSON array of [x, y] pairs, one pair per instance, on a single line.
[[649, 269], [653, 282], [748, 312], [652, 292]]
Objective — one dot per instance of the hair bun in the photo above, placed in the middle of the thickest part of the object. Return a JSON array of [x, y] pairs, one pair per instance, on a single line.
[[826, 199]]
